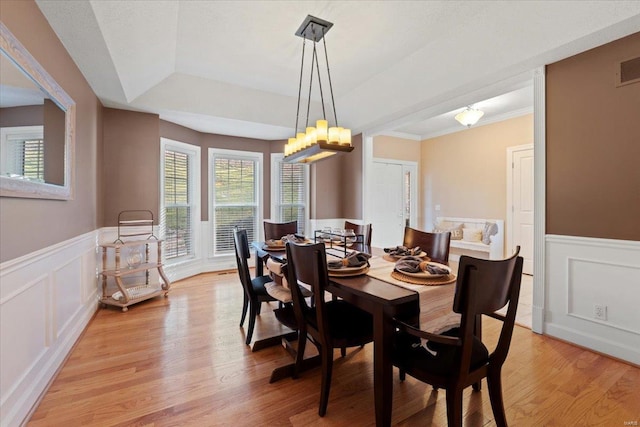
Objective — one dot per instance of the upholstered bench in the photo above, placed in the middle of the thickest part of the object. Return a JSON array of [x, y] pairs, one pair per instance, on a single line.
[[481, 238]]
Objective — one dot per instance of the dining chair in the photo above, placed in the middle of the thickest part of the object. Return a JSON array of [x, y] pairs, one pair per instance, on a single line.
[[457, 358], [254, 289], [436, 245], [329, 324], [275, 230], [364, 230]]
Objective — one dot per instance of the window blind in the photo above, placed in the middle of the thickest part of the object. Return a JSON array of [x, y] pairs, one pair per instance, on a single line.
[[292, 194], [26, 158], [177, 205], [234, 200]]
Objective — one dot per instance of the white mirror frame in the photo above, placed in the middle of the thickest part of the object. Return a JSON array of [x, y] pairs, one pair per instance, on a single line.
[[37, 190]]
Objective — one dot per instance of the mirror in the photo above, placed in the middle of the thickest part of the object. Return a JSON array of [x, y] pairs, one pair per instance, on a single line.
[[37, 120]]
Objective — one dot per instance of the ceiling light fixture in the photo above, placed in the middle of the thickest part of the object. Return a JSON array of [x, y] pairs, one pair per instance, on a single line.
[[469, 116], [321, 141]]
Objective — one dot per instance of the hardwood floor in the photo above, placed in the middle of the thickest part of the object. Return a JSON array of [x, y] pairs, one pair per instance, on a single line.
[[182, 361]]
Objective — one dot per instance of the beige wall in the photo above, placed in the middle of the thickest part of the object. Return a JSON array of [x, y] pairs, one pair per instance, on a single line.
[[391, 147], [31, 115], [27, 225], [593, 145], [465, 172]]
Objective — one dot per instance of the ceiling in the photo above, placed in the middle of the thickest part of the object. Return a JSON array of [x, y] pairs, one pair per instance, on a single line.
[[405, 68]]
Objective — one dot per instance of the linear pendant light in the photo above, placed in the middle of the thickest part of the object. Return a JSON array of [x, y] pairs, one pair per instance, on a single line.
[[319, 142]]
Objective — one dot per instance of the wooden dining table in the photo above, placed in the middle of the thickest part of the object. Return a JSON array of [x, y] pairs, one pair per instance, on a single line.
[[384, 300]]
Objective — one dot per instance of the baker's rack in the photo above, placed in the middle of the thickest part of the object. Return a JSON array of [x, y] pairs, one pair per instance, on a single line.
[[336, 242], [135, 229]]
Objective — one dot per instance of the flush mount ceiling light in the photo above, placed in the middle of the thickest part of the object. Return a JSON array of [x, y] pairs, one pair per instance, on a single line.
[[321, 141], [469, 116]]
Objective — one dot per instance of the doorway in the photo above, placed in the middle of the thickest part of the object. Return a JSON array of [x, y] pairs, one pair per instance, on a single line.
[[393, 201]]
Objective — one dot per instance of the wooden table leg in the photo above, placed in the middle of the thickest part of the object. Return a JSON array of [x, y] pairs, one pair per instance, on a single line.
[[383, 367]]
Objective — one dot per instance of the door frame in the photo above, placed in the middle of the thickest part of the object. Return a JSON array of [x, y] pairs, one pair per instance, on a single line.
[[509, 223], [367, 166]]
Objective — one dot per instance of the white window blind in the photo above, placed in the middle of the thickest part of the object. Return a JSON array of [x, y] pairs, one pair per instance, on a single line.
[[178, 209], [234, 198], [292, 194], [23, 152]]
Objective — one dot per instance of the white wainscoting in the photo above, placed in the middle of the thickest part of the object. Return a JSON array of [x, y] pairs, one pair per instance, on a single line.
[[582, 272], [46, 300]]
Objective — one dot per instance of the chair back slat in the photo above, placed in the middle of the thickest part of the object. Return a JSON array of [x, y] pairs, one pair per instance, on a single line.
[[275, 230], [436, 245], [241, 244]]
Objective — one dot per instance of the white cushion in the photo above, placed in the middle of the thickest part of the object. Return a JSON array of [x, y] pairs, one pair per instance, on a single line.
[[472, 234]]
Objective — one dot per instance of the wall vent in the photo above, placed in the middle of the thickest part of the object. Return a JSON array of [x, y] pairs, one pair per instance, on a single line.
[[628, 71]]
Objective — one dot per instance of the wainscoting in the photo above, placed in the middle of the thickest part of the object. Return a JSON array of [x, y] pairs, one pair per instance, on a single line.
[[46, 300], [48, 297], [582, 272]]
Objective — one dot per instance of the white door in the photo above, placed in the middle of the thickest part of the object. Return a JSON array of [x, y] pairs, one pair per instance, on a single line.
[[522, 205], [393, 201]]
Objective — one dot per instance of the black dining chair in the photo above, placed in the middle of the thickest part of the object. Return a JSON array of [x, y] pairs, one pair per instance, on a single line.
[[457, 358], [275, 230], [328, 324], [436, 245], [254, 289]]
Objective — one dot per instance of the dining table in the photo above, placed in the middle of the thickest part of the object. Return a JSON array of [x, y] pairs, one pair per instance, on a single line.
[[385, 298]]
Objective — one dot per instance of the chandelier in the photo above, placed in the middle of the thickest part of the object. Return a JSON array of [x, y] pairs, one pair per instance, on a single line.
[[319, 141]]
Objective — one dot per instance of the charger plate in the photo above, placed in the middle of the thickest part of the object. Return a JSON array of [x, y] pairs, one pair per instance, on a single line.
[[349, 271], [424, 280], [394, 258]]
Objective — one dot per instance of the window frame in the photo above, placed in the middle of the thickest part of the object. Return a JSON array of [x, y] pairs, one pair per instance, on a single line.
[[277, 159], [255, 156], [193, 152]]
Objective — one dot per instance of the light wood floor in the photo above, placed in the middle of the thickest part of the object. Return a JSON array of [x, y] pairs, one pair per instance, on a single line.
[[182, 361]]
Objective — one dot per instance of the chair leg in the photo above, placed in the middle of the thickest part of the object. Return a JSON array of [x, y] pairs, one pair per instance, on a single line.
[[327, 367], [402, 375], [343, 351], [259, 306], [252, 320], [477, 386], [494, 384], [245, 305], [302, 343], [454, 407]]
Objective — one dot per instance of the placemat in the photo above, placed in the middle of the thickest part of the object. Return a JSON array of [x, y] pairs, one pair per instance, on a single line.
[[451, 278]]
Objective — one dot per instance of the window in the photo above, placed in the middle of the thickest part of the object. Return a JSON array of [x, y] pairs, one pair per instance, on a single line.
[[289, 190], [180, 192], [236, 198], [23, 152]]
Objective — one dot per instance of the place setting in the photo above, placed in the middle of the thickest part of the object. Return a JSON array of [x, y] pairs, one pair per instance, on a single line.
[[354, 264], [280, 244], [420, 271], [395, 253]]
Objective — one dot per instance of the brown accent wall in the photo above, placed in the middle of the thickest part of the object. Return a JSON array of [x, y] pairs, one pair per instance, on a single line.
[[206, 141], [31, 115], [351, 187], [593, 145], [131, 162], [54, 141], [27, 225]]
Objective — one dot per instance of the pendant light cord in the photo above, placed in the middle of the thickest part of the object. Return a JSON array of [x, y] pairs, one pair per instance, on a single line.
[[300, 85], [326, 57]]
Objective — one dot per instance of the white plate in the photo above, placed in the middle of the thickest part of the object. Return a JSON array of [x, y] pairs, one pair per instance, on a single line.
[[426, 274]]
